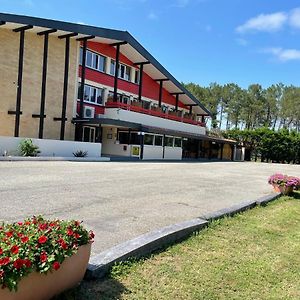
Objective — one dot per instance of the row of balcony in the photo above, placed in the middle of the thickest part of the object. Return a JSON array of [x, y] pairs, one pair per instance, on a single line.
[[156, 111]]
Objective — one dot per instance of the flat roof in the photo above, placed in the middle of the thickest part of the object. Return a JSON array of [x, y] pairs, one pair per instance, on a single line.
[[133, 49]]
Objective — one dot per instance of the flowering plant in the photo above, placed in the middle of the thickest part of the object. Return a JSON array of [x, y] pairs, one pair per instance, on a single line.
[[37, 245], [284, 181]]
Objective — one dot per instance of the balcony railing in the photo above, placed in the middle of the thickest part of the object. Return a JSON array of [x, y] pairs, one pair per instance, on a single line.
[[154, 112]]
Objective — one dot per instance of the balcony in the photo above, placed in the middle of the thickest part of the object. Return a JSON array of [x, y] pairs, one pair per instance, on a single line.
[[156, 112], [153, 117]]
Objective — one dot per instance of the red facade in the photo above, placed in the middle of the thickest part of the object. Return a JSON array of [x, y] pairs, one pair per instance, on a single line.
[[150, 87]]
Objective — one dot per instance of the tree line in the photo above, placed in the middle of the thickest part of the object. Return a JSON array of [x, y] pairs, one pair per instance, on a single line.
[[233, 107], [282, 146]]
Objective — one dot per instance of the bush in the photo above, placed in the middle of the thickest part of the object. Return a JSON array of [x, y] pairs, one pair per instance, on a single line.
[[37, 245], [80, 153], [27, 148]]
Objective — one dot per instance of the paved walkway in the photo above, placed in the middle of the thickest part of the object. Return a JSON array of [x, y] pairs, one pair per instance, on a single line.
[[120, 200]]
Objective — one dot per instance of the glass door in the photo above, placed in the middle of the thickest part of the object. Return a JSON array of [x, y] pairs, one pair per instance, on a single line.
[[89, 134]]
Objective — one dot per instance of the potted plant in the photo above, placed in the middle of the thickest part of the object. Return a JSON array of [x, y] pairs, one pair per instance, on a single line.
[[284, 184], [40, 258]]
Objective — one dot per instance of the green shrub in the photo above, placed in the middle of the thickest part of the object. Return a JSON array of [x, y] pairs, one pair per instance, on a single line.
[[27, 148], [80, 153]]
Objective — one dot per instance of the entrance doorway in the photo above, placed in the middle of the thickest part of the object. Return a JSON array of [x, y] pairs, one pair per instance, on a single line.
[[89, 134]]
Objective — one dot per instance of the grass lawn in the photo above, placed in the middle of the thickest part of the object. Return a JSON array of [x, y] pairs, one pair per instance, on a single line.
[[254, 255]]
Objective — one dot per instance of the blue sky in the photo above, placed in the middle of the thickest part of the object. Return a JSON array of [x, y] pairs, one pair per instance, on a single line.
[[203, 41]]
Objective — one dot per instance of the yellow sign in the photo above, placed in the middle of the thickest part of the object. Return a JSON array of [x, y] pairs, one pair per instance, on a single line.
[[135, 151]]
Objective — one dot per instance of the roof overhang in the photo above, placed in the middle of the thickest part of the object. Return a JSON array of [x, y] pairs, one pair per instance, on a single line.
[[151, 129], [132, 49]]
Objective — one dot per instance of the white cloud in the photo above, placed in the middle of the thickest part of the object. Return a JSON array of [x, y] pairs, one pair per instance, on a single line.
[[264, 22], [284, 55], [152, 16], [295, 18]]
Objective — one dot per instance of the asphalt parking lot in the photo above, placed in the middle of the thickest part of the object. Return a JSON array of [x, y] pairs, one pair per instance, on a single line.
[[121, 200]]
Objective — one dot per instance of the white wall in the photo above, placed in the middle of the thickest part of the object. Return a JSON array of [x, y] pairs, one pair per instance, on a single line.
[[173, 153], [153, 152], [50, 147], [110, 145], [130, 116]]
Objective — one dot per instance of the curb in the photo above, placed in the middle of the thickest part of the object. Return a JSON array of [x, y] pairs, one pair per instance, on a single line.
[[145, 244], [100, 264], [54, 158], [263, 201]]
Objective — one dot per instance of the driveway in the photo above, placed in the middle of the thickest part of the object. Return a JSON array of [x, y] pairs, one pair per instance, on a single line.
[[120, 200]]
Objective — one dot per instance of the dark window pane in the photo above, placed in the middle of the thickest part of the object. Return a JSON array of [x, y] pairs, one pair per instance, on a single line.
[[89, 56], [86, 93], [177, 142], [134, 138], [123, 137], [86, 134], [99, 96], [80, 55], [158, 141], [148, 140], [102, 61], [112, 67], [169, 141]]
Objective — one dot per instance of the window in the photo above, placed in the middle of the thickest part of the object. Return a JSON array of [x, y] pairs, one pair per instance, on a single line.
[[91, 94], [158, 141], [148, 139], [177, 142], [134, 138], [146, 104], [124, 71], [94, 60], [137, 77], [123, 137], [169, 141]]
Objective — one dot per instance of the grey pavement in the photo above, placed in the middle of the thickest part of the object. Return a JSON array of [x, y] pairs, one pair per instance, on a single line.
[[121, 200]]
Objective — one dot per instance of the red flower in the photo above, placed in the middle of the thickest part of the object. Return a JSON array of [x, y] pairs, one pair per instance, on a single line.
[[43, 257], [20, 234], [27, 223], [43, 226], [20, 223], [63, 244], [92, 235], [1, 251], [77, 223], [24, 239], [9, 234], [70, 232], [42, 239], [27, 263], [56, 265], [4, 261], [76, 235], [18, 264], [14, 249], [1, 273]]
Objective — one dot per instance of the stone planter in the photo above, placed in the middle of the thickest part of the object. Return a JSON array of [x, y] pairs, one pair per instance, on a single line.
[[38, 286]]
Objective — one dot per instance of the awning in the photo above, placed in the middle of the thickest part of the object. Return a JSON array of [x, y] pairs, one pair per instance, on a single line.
[[152, 129]]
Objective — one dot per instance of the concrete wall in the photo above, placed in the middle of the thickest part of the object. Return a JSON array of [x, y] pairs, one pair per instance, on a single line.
[[50, 147], [130, 116], [110, 145], [31, 89]]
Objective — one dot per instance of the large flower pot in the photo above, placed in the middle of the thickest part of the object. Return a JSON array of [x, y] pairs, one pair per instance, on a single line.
[[285, 190], [38, 286]]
